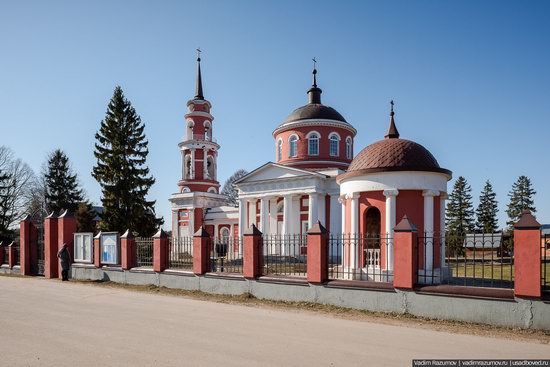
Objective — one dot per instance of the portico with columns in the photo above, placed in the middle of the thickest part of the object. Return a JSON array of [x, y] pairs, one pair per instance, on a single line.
[[288, 201]]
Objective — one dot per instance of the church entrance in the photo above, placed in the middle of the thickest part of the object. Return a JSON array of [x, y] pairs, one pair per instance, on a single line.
[[371, 238]]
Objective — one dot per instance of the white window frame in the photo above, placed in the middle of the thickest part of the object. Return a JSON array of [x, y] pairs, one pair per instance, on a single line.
[[109, 236], [349, 148], [79, 242], [290, 144], [313, 135]]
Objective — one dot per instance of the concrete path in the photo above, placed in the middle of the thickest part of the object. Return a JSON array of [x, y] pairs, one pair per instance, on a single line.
[[49, 323]]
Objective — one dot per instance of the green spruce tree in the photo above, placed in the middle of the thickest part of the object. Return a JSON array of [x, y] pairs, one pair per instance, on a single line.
[[121, 151], [521, 198], [85, 215], [61, 184], [460, 211], [487, 210], [459, 217]]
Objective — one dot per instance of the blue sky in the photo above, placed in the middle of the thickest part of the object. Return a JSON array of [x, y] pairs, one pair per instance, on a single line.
[[470, 79]]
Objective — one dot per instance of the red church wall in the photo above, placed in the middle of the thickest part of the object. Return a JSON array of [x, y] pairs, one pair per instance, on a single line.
[[198, 219]]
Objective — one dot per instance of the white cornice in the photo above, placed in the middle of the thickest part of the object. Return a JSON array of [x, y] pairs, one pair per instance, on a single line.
[[199, 113], [314, 122]]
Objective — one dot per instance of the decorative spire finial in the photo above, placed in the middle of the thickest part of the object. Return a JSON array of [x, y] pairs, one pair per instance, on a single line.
[[314, 72], [198, 89], [314, 92], [392, 130]]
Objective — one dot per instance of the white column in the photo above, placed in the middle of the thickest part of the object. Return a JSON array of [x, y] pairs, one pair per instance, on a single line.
[[322, 209], [390, 223], [312, 215], [295, 217], [429, 226], [442, 198], [342, 201], [273, 216], [205, 163], [264, 215], [192, 168], [242, 216], [335, 225], [216, 231], [251, 212], [354, 230], [287, 205]]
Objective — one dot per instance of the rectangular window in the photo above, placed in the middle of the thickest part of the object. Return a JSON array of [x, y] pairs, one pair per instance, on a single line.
[[83, 247], [109, 248], [313, 147], [334, 147]]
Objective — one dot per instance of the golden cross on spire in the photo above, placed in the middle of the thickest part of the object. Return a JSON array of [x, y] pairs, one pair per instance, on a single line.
[[199, 54], [314, 63], [391, 103]]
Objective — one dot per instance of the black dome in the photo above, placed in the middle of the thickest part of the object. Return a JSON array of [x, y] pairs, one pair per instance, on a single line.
[[314, 111]]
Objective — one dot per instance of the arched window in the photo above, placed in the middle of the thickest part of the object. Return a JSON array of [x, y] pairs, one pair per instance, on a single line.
[[185, 189], [293, 146], [190, 125], [207, 131], [334, 142], [224, 232], [349, 147], [279, 149], [212, 190], [187, 167], [210, 168], [313, 144]]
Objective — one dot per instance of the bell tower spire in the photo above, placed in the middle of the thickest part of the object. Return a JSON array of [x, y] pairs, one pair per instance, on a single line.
[[198, 87]]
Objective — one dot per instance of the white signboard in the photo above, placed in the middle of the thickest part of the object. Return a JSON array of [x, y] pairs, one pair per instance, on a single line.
[[83, 247], [109, 248]]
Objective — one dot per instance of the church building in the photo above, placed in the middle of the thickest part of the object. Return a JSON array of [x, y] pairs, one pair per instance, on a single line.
[[315, 177]]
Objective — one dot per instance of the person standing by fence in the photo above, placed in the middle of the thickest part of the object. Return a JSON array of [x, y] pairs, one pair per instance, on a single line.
[[65, 258]]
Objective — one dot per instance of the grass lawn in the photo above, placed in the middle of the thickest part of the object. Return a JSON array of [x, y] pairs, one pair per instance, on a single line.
[[489, 271]]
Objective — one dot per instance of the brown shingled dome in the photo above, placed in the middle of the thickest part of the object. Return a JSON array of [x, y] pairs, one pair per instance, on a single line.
[[394, 155]]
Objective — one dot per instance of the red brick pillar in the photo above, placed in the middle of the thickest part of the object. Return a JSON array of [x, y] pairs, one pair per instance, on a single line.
[[160, 251], [404, 258], [66, 227], [51, 269], [12, 253], [527, 256], [97, 250], [252, 252], [317, 254], [28, 246], [127, 251], [201, 253]]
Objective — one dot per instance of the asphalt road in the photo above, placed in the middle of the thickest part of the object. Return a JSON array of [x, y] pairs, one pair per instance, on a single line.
[[50, 323]]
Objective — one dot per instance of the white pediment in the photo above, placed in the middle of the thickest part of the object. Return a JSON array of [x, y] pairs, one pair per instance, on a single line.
[[273, 171]]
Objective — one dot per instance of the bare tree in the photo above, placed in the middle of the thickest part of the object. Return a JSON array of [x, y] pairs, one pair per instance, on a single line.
[[19, 190], [229, 188]]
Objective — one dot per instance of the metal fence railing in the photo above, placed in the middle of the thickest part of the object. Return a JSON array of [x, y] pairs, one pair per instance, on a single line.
[[226, 255], [180, 254], [545, 262], [285, 255], [476, 259], [360, 257], [40, 264], [144, 251]]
